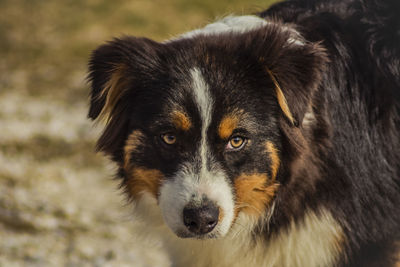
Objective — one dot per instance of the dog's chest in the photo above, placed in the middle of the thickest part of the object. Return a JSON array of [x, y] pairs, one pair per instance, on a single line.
[[315, 241]]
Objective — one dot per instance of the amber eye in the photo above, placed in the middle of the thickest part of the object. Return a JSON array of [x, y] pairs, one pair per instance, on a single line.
[[236, 142], [168, 138]]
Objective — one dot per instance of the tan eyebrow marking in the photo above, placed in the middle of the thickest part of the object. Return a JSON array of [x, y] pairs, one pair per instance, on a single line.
[[227, 125], [181, 120]]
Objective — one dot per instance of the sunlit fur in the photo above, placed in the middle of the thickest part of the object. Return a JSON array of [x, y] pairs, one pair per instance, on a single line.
[[310, 88], [300, 245]]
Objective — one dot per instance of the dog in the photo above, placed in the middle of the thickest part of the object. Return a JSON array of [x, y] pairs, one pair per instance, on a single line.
[[263, 140]]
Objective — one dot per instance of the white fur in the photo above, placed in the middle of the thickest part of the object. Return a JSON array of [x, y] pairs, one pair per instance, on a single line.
[[238, 24], [190, 184], [313, 242], [241, 24], [309, 119], [204, 104]]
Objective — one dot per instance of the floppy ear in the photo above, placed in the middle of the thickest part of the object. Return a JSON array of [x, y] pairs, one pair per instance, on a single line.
[[294, 66], [115, 70], [112, 69]]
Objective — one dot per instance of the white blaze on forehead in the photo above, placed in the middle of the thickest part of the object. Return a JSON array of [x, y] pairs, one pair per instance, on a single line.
[[191, 184], [204, 104]]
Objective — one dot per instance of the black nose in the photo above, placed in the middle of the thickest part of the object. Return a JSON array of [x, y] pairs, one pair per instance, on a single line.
[[201, 220]]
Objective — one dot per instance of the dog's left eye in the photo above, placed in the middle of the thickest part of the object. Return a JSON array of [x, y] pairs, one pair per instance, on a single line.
[[168, 138], [236, 143]]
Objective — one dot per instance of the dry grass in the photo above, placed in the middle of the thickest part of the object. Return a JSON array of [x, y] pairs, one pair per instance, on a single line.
[[58, 203]]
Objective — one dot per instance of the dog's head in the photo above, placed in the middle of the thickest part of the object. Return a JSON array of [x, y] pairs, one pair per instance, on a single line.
[[201, 123]]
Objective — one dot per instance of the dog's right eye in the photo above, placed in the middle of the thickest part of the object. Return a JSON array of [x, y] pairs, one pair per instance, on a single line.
[[168, 138], [236, 143]]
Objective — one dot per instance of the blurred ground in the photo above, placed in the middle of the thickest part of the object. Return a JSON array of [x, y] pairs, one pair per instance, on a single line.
[[58, 203]]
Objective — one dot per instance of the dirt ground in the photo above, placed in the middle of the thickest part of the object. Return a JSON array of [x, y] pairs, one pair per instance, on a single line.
[[59, 205]]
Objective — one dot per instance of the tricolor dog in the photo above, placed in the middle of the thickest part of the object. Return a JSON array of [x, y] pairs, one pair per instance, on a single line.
[[262, 140]]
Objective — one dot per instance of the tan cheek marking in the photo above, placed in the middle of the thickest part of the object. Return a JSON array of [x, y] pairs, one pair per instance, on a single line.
[[253, 194], [275, 160], [139, 179], [132, 143], [144, 180], [181, 120], [227, 125]]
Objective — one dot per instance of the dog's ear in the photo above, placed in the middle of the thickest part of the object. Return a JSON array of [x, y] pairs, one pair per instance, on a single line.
[[294, 66], [115, 70]]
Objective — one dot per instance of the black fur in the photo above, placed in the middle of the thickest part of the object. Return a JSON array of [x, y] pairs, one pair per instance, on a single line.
[[347, 72], [360, 93]]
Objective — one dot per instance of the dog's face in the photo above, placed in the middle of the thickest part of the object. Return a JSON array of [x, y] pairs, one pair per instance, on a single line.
[[198, 123]]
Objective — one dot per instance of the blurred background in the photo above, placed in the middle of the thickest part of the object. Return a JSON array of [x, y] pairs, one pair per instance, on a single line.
[[59, 205]]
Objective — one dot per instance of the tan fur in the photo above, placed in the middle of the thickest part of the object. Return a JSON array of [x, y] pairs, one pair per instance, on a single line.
[[275, 160], [181, 120], [207, 59], [140, 179], [253, 193], [281, 98], [113, 90], [220, 214], [227, 125], [134, 139], [316, 240], [144, 180]]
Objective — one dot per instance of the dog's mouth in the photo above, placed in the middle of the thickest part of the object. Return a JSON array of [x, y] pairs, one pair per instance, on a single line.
[[198, 220], [188, 235], [198, 208]]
